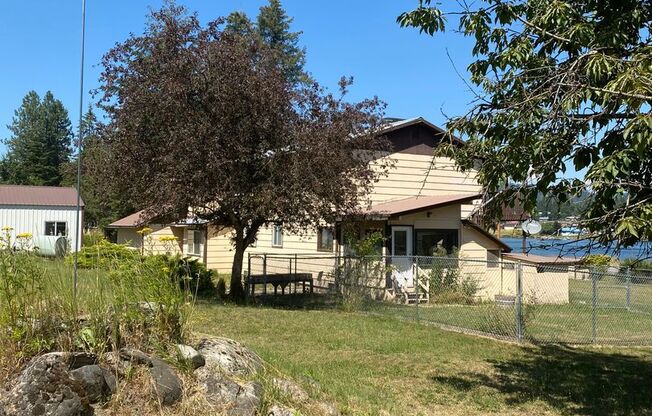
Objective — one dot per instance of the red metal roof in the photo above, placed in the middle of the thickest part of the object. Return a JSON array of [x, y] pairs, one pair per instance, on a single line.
[[38, 195], [419, 203]]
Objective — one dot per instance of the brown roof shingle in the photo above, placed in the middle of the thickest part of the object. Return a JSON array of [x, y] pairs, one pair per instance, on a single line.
[[419, 203], [38, 195], [134, 220]]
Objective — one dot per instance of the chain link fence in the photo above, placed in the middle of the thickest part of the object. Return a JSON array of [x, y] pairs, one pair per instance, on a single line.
[[520, 301]]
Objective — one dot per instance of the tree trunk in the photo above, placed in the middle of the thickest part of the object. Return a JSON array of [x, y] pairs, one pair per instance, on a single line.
[[237, 291]]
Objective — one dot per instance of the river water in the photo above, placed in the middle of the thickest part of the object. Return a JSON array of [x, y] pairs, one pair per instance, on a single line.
[[574, 248]]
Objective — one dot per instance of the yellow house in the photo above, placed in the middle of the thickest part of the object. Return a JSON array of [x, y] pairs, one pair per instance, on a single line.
[[421, 203]]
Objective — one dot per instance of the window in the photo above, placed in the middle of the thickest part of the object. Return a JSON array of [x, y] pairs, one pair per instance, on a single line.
[[493, 258], [277, 235], [325, 239], [55, 228], [195, 240], [436, 242]]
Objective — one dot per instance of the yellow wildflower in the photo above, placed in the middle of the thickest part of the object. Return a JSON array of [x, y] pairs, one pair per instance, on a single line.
[[7, 228], [144, 231], [24, 235], [166, 270], [165, 238]]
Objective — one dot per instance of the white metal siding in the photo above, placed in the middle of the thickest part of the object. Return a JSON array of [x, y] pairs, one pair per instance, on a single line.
[[32, 219]]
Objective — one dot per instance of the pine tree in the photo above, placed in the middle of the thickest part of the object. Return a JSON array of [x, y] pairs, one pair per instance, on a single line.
[[238, 22], [273, 25], [39, 147]]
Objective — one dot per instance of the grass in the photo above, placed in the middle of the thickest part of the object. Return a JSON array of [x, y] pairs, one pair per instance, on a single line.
[[570, 323], [383, 365]]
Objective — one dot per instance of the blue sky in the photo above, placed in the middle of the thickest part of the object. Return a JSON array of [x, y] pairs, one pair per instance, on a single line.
[[411, 72]]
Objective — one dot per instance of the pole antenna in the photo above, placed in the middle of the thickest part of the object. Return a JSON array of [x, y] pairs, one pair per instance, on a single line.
[[79, 149]]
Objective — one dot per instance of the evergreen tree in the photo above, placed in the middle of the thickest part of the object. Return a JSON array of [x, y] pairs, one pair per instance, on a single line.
[[273, 25], [39, 147], [238, 22]]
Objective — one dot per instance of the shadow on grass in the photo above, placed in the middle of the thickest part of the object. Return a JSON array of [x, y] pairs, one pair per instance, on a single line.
[[574, 381], [300, 301]]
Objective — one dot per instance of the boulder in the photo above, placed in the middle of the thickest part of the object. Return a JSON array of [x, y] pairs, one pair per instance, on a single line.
[[117, 365], [46, 387], [291, 389], [229, 356], [191, 355], [98, 383], [278, 410], [232, 398], [135, 356], [167, 384]]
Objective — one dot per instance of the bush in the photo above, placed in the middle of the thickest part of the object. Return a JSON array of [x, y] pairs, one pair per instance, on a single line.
[[221, 288], [105, 255], [446, 284], [92, 238], [190, 273]]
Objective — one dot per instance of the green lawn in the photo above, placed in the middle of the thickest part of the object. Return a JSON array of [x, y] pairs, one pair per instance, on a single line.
[[373, 364], [615, 324]]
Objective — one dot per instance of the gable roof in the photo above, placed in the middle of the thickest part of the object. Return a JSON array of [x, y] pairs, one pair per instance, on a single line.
[[27, 195], [398, 124], [418, 203], [470, 224], [537, 259], [130, 221]]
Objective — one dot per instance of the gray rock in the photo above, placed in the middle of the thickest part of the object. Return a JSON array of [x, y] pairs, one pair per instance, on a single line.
[[81, 359], [135, 356], [191, 355], [278, 410], [167, 384], [232, 398], [46, 387], [229, 356], [291, 389], [117, 366], [97, 382]]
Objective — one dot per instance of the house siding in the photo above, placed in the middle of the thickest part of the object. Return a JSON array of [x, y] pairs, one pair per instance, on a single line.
[[31, 219], [411, 175], [153, 244]]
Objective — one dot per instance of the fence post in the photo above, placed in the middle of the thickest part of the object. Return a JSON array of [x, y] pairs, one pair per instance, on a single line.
[[415, 268], [519, 301], [594, 305], [295, 275], [264, 274], [628, 282]]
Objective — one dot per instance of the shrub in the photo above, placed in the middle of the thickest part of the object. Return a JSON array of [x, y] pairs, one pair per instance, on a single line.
[[446, 283], [105, 255], [190, 273], [92, 238], [221, 288], [598, 260]]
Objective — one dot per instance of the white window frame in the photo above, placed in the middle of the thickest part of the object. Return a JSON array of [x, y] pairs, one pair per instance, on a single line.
[[196, 246], [56, 227], [320, 240], [277, 229]]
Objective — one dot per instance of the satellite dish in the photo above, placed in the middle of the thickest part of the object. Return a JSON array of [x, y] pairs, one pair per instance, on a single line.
[[531, 227]]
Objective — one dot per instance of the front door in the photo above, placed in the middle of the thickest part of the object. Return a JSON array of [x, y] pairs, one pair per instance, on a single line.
[[402, 252]]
